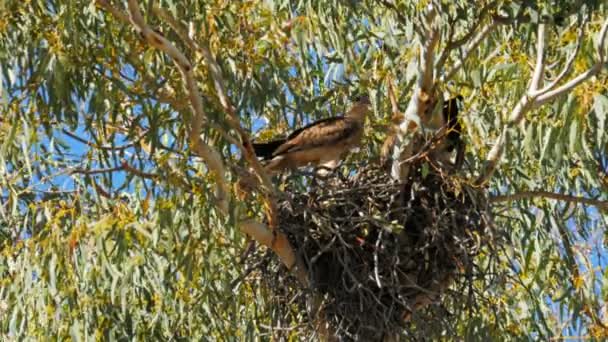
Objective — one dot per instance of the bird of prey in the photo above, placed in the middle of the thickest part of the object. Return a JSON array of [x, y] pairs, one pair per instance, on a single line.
[[448, 120], [321, 143], [452, 141]]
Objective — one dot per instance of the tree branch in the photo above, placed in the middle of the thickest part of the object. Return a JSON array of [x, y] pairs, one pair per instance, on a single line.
[[546, 194], [539, 68], [421, 97], [232, 119], [279, 244], [210, 155], [96, 171], [103, 147], [473, 44], [472, 37], [124, 166], [535, 98], [549, 93], [569, 62], [105, 4], [568, 86], [272, 238]]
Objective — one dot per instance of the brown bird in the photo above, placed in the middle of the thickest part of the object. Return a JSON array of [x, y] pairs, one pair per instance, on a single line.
[[322, 143], [447, 120]]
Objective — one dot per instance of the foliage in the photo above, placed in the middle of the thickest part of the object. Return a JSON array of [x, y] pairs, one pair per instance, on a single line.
[[110, 226]]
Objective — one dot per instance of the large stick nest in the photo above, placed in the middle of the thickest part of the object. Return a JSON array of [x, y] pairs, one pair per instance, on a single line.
[[376, 250]]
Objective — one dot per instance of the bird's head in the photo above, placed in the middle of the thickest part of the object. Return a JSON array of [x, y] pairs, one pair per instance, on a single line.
[[362, 99], [360, 107]]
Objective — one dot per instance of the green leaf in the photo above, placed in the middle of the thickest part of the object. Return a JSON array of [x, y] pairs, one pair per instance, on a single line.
[[528, 139], [547, 142], [574, 139], [600, 108]]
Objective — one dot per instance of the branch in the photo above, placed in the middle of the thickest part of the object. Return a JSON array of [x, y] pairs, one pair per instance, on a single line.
[[546, 194], [470, 48], [278, 243], [167, 95], [569, 62], [105, 4], [548, 94], [472, 37], [534, 98], [421, 97], [214, 68], [124, 166], [602, 42], [427, 54], [539, 68], [96, 171], [103, 147], [568, 86], [497, 20], [211, 156], [232, 119]]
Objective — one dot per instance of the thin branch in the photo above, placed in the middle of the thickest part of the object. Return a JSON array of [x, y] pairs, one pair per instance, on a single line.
[[232, 119], [569, 62], [534, 98], [96, 171], [539, 68], [105, 4], [546, 194], [211, 156], [495, 154], [214, 67], [103, 147], [276, 240], [568, 86], [602, 42], [470, 48], [125, 165], [549, 94], [468, 36], [522, 17], [168, 96], [497, 20], [101, 191]]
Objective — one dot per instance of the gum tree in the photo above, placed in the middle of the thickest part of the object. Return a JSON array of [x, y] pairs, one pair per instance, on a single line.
[[125, 130]]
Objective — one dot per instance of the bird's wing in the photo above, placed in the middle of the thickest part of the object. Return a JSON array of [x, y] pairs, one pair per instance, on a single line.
[[325, 132], [321, 122]]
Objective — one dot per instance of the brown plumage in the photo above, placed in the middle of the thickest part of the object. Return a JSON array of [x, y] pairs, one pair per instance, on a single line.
[[322, 143], [447, 120]]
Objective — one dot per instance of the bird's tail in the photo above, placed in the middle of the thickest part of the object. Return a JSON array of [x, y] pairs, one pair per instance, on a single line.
[[265, 150]]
